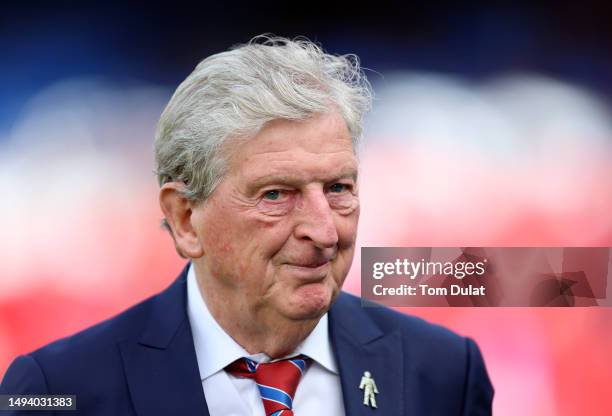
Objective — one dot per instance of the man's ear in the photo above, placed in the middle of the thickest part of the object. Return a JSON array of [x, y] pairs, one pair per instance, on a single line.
[[178, 211]]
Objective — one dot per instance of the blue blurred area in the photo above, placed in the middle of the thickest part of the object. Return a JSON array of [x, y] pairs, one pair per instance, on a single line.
[[42, 43]]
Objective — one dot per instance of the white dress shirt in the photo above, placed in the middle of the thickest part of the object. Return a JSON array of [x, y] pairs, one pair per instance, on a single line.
[[319, 391]]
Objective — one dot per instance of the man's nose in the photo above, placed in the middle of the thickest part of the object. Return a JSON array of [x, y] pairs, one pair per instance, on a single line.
[[315, 219]]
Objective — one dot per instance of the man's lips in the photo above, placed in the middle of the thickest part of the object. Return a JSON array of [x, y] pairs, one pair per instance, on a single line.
[[311, 264], [311, 270]]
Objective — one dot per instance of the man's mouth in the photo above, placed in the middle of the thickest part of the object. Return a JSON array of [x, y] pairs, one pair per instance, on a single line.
[[316, 270], [311, 264]]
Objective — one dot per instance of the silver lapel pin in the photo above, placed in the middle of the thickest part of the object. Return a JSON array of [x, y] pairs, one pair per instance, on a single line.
[[369, 389]]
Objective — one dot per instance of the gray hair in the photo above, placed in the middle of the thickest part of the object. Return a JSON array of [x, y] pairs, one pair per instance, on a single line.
[[232, 94]]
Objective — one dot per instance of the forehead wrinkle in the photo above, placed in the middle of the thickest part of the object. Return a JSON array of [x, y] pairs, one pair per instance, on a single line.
[[289, 145], [241, 158]]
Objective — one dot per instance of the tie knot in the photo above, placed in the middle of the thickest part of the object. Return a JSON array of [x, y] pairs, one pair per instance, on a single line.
[[277, 381]]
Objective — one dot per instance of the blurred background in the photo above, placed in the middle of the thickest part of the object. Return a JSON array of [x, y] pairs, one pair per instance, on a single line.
[[491, 127]]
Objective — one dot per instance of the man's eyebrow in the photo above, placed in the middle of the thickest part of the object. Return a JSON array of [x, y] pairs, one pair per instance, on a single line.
[[264, 180], [290, 179], [346, 173]]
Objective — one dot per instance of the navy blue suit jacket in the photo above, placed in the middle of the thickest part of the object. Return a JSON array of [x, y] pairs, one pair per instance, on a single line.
[[142, 362]]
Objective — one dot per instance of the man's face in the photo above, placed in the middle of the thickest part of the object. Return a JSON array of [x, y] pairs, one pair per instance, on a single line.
[[278, 233]]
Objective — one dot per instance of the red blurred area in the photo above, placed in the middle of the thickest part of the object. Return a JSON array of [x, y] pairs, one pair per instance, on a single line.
[[42, 314]]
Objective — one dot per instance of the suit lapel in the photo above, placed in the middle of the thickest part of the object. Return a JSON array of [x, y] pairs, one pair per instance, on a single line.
[[161, 366], [359, 345]]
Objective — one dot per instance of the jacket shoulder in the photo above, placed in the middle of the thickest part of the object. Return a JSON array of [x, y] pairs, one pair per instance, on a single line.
[[388, 320], [99, 337], [60, 365]]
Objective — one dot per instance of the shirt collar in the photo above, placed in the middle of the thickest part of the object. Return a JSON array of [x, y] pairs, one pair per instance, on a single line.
[[215, 349]]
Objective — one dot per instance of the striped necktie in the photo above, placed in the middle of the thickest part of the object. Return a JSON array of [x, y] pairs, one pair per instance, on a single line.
[[277, 381]]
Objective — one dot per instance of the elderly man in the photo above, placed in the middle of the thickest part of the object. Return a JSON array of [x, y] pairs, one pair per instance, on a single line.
[[256, 162]]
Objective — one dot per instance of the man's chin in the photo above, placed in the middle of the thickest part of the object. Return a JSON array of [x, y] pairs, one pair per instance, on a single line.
[[310, 302]]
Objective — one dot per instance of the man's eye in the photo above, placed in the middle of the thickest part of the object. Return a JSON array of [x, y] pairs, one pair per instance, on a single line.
[[338, 187], [272, 195]]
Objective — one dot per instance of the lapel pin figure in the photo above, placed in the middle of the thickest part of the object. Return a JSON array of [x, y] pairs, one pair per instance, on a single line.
[[369, 389]]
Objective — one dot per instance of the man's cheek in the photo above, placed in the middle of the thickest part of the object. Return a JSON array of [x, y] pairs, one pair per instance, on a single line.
[[347, 232], [272, 239], [217, 239]]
